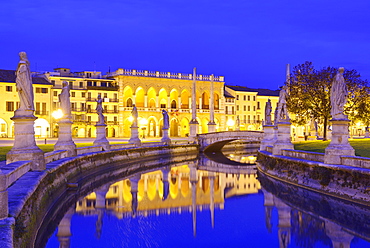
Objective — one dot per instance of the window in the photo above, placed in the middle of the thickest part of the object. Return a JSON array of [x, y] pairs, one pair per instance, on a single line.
[[103, 84], [249, 98], [73, 94], [254, 98], [44, 90], [89, 118], [115, 109], [245, 108], [254, 108], [89, 83], [83, 94], [237, 108], [115, 95], [9, 88], [105, 95], [258, 105], [9, 106], [53, 82], [55, 93], [244, 97], [237, 97], [81, 84], [249, 108], [70, 84]]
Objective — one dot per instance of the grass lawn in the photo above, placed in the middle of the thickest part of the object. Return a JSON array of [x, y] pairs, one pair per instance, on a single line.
[[361, 146], [45, 148]]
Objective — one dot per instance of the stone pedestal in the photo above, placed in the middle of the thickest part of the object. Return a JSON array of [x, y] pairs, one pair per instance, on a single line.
[[65, 141], [4, 209], [211, 127], [283, 138], [25, 147], [268, 137], [135, 136], [101, 138], [165, 138], [339, 145], [193, 129]]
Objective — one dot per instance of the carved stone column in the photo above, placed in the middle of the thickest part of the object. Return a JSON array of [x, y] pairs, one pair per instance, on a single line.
[[65, 141], [339, 145], [25, 147]]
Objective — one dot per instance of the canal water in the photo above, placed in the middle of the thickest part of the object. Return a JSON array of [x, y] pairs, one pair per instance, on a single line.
[[203, 203]]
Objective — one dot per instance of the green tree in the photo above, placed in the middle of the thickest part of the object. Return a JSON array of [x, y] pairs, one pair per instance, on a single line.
[[309, 94]]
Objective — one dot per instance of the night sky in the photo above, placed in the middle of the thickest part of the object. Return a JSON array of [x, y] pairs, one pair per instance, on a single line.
[[247, 41]]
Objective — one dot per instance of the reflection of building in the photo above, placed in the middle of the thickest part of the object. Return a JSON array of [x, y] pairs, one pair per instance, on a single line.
[[151, 188]]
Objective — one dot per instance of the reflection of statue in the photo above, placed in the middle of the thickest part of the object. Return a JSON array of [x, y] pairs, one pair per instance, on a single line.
[[282, 112], [65, 103], [24, 83], [135, 116], [166, 121], [338, 95], [268, 111]]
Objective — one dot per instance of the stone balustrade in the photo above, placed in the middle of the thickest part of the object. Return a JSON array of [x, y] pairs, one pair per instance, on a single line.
[[145, 73]]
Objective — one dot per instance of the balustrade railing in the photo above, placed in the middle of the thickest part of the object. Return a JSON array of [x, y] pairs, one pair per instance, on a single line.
[[145, 73]]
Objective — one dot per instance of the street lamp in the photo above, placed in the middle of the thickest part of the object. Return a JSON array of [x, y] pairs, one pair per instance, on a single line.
[[230, 123], [57, 114], [143, 123]]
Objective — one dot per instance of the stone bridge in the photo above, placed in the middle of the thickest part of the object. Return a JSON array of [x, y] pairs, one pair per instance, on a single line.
[[210, 142]]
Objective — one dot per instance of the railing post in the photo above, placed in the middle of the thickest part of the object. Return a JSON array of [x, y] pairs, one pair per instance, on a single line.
[[3, 197]]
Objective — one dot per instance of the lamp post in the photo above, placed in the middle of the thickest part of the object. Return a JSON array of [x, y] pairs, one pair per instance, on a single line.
[[143, 122], [230, 123], [57, 114]]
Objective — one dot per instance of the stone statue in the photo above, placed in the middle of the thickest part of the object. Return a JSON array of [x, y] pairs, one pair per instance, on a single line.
[[268, 111], [24, 83], [64, 100], [99, 110], [338, 95], [135, 116], [237, 122], [282, 112], [166, 121]]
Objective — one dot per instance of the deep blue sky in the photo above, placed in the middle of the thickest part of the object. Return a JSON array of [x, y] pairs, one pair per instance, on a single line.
[[247, 41]]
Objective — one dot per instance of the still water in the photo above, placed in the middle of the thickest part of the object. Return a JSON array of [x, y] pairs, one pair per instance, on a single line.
[[235, 207]]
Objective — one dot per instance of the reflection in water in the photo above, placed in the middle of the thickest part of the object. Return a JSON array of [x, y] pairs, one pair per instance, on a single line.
[[205, 185]]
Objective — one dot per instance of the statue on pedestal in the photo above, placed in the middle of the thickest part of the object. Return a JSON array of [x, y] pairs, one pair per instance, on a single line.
[[282, 111], [338, 95], [99, 110], [64, 100], [166, 120], [268, 111], [135, 116], [24, 83]]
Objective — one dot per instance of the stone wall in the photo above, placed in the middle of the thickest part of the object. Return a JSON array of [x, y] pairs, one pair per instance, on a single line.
[[339, 180]]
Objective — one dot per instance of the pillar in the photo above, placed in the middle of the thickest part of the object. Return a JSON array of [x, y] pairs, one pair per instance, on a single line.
[[65, 141], [25, 147], [101, 138], [339, 145], [211, 123], [268, 137], [4, 209], [283, 138], [193, 123]]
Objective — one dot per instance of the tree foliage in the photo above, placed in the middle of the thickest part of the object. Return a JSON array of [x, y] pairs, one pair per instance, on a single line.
[[309, 94]]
